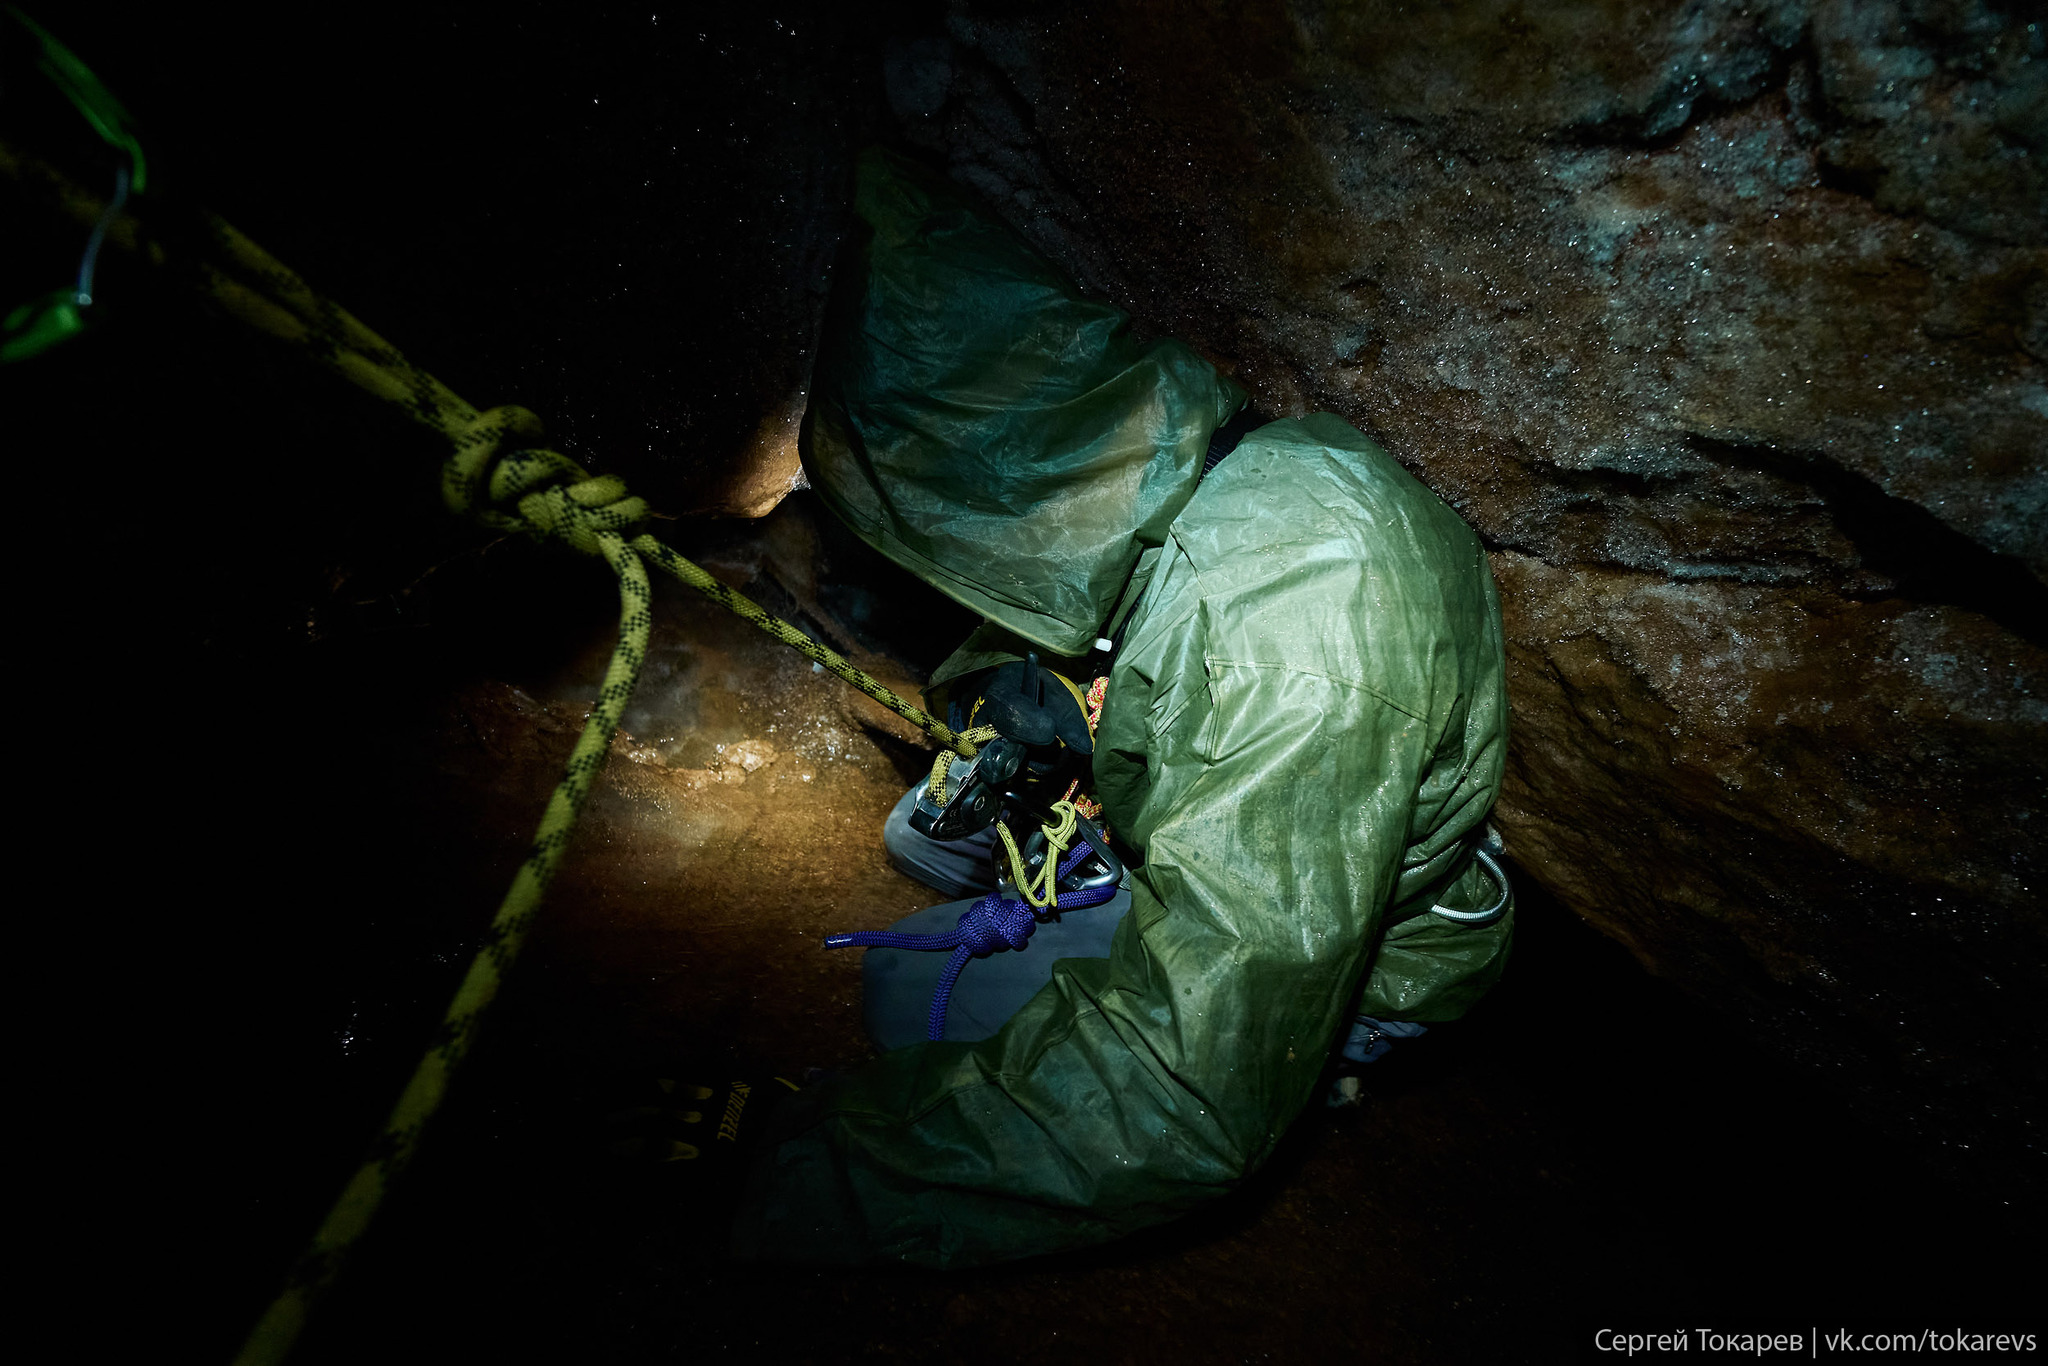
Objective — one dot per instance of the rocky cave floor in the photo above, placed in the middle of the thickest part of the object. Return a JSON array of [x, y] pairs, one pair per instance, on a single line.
[[1590, 1147]]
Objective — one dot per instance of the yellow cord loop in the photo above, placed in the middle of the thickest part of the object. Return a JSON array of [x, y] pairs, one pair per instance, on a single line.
[[1043, 893]]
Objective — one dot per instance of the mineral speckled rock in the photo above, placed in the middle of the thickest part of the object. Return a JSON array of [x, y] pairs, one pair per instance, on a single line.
[[1724, 324]]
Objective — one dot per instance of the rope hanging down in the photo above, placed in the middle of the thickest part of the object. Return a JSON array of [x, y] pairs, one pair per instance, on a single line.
[[500, 474]]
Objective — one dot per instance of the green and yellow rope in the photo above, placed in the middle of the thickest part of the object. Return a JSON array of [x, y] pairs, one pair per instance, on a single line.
[[499, 473], [279, 1328]]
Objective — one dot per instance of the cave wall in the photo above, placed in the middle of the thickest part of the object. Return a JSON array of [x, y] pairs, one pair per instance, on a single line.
[[1726, 326]]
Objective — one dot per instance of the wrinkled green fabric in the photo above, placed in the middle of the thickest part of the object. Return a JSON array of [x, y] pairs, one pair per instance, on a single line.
[[980, 422], [1431, 969], [1304, 731]]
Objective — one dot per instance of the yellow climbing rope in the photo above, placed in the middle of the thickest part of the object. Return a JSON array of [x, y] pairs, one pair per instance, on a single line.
[[499, 473], [1042, 892], [942, 763]]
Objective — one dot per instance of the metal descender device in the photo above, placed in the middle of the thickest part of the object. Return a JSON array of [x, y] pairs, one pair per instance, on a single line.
[[1035, 732]]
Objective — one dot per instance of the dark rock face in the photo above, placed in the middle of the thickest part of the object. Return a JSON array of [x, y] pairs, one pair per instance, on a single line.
[[1724, 324]]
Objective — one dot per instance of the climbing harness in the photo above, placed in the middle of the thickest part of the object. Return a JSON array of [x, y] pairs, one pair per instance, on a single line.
[[1037, 729], [498, 472], [1032, 740]]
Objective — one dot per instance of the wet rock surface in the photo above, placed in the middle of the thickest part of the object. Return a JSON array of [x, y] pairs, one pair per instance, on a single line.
[[1722, 324]]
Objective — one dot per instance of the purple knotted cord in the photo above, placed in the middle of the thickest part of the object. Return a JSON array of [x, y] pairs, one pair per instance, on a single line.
[[990, 925]]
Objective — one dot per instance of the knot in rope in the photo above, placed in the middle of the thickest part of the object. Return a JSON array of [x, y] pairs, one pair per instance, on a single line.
[[992, 924], [500, 474]]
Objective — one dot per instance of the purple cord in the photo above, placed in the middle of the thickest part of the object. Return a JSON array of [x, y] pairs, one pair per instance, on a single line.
[[988, 926]]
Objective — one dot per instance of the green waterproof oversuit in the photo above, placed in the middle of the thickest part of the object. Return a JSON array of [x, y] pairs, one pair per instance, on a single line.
[[1304, 731]]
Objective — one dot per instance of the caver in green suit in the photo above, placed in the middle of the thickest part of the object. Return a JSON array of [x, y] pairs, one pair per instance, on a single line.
[[1304, 731]]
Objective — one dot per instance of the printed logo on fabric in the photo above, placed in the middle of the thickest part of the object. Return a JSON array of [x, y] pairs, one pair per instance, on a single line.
[[729, 1126]]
